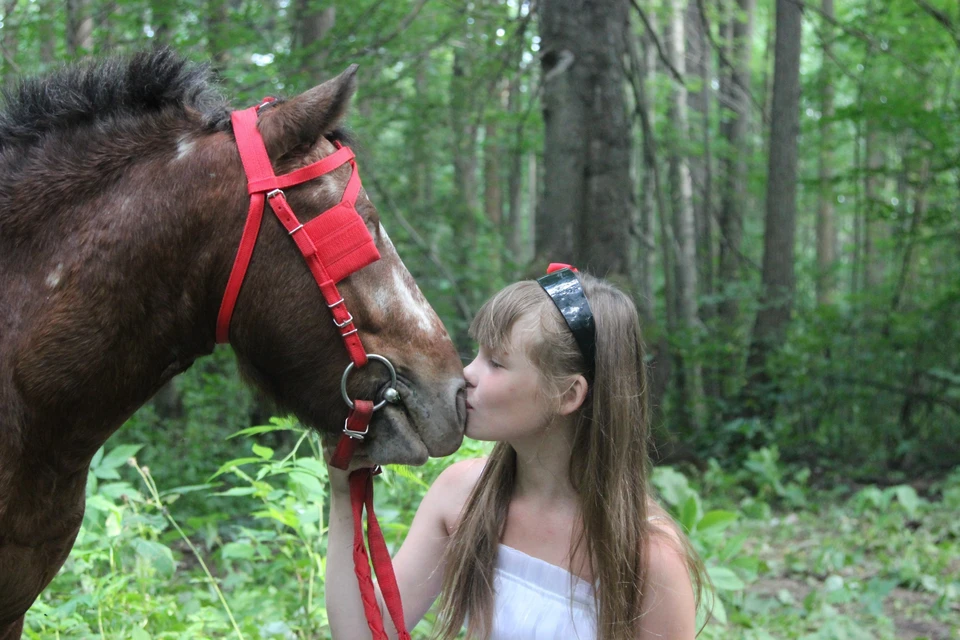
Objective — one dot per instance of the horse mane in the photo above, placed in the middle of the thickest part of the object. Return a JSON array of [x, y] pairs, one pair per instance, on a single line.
[[147, 82]]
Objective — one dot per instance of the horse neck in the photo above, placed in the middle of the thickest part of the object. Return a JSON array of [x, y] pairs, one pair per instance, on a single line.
[[123, 297]]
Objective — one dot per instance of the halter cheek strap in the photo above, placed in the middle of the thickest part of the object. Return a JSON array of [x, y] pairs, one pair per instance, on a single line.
[[334, 244]]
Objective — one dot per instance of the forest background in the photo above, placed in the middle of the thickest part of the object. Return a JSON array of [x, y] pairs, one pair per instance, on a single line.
[[774, 181]]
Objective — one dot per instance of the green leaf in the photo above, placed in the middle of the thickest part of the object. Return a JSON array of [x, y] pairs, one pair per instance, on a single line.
[[690, 512], [118, 456], [237, 491], [228, 466], [308, 481], [264, 452], [100, 503], [714, 606], [158, 555], [238, 551], [106, 473], [139, 634], [263, 428], [716, 519], [672, 485], [187, 489], [908, 499], [724, 579], [407, 473]]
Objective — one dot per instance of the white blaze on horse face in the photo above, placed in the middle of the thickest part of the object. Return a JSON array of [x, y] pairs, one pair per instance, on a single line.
[[408, 296]]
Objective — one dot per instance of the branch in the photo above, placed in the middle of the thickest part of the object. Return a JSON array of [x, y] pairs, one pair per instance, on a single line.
[[942, 18], [462, 305], [723, 59], [407, 20], [860, 35], [656, 41], [505, 60]]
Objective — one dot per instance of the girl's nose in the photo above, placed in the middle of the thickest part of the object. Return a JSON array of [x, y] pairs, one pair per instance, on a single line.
[[469, 374]]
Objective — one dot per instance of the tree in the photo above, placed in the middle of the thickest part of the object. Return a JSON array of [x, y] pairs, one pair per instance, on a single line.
[[79, 27], [684, 224], [584, 216], [826, 226], [735, 96], [780, 218]]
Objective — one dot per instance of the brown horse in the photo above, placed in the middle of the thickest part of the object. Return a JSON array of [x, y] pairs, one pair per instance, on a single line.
[[122, 200]]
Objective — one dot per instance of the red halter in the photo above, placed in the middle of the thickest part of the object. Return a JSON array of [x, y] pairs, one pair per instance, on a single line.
[[334, 244]]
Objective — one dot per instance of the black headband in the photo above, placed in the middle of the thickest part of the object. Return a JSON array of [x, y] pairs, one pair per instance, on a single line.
[[564, 288]]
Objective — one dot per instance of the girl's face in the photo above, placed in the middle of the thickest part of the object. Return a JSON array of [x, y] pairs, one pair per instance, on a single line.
[[504, 398]]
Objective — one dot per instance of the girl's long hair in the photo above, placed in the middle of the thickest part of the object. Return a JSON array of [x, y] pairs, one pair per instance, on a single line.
[[609, 469]]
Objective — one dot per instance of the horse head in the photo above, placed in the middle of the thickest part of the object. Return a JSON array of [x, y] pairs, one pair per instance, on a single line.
[[282, 331]]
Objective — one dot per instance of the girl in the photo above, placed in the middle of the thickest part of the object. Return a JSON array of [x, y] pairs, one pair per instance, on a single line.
[[555, 535]]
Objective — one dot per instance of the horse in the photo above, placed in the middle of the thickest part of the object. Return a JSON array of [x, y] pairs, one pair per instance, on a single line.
[[122, 204]]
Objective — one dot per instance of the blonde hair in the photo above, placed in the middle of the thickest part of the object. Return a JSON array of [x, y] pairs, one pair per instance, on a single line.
[[609, 473]]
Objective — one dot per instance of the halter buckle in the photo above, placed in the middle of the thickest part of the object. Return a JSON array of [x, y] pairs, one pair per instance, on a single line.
[[356, 435]]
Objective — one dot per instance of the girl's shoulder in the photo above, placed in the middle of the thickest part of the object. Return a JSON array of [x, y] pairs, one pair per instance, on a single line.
[[453, 487], [463, 471]]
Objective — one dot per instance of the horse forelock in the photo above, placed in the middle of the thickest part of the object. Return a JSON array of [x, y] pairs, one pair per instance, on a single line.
[[98, 93]]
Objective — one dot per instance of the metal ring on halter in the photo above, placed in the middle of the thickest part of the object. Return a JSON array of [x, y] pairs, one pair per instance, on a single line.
[[393, 381]]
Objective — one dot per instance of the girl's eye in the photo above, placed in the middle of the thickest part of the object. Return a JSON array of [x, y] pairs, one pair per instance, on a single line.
[[495, 364]]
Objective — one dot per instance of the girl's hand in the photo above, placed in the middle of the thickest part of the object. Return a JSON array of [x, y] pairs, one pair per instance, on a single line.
[[339, 479]]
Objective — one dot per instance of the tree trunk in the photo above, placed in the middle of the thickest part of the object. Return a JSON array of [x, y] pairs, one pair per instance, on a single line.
[[9, 41], [916, 220], [310, 26], [588, 194], [826, 226], [162, 20], [514, 230], [464, 138], [875, 228], [420, 150], [684, 226], [648, 254], [492, 193], [780, 220], [533, 203], [79, 28], [698, 65], [735, 98], [218, 26], [47, 33]]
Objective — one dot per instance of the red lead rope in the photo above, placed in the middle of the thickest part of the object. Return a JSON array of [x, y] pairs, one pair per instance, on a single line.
[[361, 493], [334, 244]]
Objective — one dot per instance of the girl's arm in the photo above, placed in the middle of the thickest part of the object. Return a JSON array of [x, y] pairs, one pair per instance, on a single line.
[[669, 610], [418, 565]]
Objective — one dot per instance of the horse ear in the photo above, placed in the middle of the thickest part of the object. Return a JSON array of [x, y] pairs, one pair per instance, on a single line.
[[302, 120]]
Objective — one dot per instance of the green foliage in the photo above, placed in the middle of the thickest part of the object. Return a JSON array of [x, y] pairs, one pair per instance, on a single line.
[[848, 568]]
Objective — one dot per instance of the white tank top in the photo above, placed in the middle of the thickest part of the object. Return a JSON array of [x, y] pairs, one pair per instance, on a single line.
[[532, 600]]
